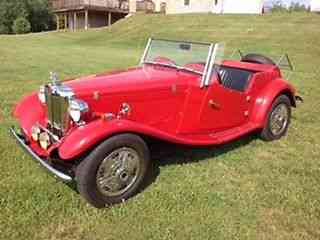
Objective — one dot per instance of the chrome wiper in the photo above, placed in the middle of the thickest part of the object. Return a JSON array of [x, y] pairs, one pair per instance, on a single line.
[[171, 65]]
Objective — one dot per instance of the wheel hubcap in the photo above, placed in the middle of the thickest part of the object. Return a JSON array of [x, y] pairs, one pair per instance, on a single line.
[[279, 119], [118, 172]]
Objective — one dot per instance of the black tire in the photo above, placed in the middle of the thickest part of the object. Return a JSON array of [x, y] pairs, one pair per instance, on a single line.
[[87, 171], [257, 58], [268, 133]]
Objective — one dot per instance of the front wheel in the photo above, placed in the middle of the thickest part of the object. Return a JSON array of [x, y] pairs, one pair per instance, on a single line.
[[278, 119], [114, 171]]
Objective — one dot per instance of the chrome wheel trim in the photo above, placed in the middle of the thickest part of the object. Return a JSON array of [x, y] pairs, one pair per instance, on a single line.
[[118, 172], [279, 119]]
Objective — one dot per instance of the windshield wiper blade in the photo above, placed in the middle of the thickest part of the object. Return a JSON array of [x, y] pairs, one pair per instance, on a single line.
[[174, 66]]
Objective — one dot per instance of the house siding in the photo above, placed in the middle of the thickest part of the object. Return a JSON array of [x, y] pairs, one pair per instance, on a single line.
[[195, 6], [315, 5], [239, 6], [215, 6]]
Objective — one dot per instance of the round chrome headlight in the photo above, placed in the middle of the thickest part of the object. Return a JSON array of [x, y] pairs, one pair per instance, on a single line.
[[42, 95], [77, 108]]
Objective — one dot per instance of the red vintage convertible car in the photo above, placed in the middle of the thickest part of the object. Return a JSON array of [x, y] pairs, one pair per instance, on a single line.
[[93, 130]]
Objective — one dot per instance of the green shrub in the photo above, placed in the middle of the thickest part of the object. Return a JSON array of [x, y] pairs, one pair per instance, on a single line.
[[21, 25]]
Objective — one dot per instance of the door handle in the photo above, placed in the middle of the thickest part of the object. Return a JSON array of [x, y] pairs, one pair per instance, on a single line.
[[214, 104]]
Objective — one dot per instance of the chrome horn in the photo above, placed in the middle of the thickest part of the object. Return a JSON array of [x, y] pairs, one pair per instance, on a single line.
[[54, 79]]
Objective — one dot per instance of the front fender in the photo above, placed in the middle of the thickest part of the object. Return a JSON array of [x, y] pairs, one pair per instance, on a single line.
[[85, 137], [28, 112], [263, 103]]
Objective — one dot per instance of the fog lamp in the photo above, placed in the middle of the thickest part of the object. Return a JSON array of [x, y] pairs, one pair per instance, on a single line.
[[35, 132], [44, 140]]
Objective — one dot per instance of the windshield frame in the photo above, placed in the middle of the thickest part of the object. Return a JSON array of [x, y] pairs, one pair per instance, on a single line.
[[209, 64]]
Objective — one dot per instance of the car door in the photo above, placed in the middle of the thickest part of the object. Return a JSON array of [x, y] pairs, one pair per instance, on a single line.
[[225, 103]]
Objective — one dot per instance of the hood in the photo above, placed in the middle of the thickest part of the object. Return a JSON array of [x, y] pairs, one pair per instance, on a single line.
[[134, 79]]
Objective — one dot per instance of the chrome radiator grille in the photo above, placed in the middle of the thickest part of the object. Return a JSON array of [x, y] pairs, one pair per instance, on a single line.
[[57, 107]]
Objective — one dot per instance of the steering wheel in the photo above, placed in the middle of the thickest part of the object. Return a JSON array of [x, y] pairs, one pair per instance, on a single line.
[[164, 60]]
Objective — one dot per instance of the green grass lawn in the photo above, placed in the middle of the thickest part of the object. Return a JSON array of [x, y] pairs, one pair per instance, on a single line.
[[248, 189]]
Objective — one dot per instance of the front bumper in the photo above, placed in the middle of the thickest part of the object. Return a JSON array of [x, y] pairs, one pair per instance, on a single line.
[[59, 174]]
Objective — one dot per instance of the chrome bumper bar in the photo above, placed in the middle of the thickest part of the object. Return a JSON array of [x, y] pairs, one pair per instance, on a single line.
[[62, 176]]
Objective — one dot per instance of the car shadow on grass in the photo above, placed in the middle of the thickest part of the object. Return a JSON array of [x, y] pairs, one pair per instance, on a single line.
[[165, 154]]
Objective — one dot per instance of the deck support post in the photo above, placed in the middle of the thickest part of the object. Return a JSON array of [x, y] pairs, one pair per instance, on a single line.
[[132, 6], [65, 21], [86, 15], [58, 22], [109, 18], [75, 21]]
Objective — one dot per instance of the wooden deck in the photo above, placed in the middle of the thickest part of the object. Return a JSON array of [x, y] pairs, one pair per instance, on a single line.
[[121, 6]]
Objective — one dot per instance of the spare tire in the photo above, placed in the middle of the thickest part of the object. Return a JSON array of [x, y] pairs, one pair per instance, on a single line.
[[257, 58]]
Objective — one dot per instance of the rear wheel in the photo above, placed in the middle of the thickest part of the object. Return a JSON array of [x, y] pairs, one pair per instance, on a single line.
[[114, 171], [278, 119]]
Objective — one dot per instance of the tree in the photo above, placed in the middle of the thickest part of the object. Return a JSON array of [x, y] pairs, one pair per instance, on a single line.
[[37, 12], [4, 29], [9, 11], [40, 15], [278, 6], [297, 7]]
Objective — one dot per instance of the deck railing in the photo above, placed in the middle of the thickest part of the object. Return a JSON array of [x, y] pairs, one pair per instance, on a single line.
[[74, 4], [145, 6]]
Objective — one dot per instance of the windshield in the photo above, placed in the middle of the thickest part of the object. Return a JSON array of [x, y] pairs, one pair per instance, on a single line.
[[199, 58], [185, 55]]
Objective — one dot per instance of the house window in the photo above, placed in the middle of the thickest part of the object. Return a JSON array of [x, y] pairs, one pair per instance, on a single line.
[[186, 2], [215, 2]]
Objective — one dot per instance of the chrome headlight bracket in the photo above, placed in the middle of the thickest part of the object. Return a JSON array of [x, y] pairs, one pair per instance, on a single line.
[[42, 94]]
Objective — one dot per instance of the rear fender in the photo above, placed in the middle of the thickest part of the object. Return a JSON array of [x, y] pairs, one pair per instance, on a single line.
[[264, 102]]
